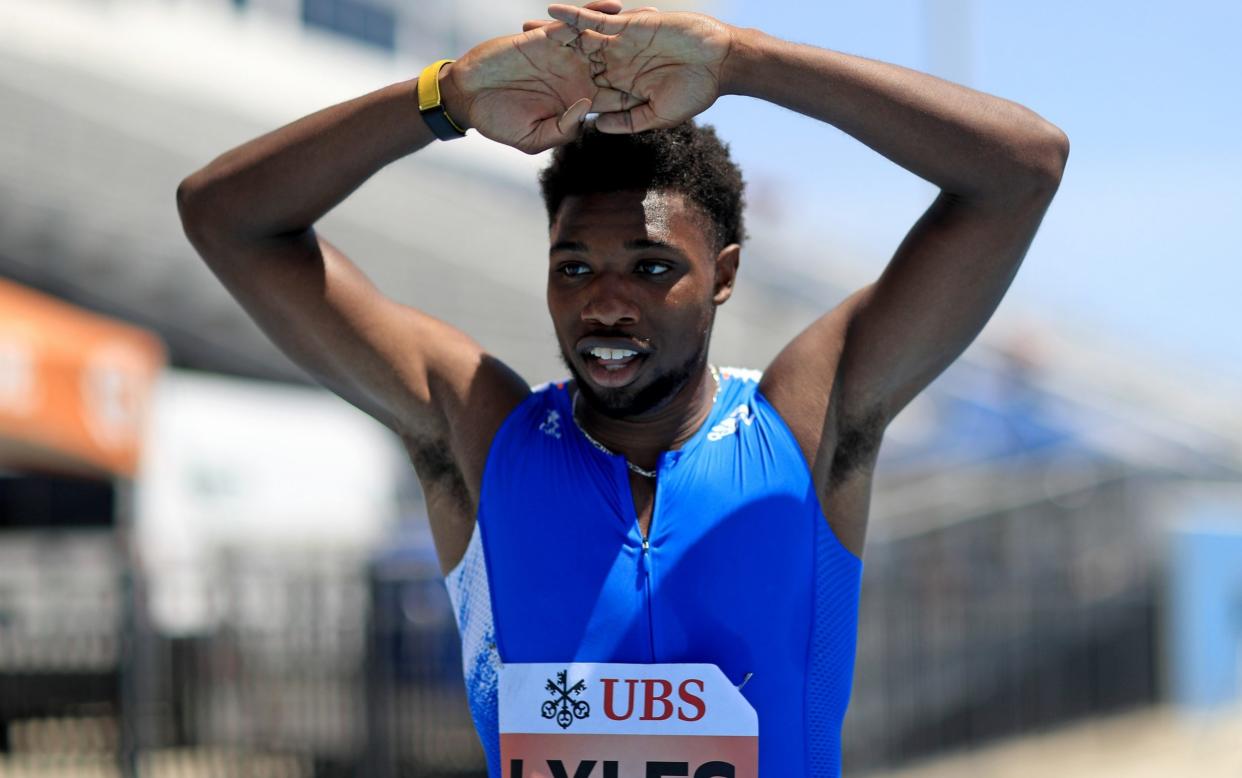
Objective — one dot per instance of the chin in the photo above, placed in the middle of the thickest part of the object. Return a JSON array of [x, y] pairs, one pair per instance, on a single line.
[[636, 399], [625, 402]]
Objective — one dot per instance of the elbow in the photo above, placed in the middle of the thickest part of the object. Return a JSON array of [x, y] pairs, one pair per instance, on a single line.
[[189, 207], [1036, 167], [1047, 158], [205, 218]]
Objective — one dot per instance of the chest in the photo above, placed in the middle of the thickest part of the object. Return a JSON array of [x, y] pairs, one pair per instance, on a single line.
[[642, 495], [594, 563]]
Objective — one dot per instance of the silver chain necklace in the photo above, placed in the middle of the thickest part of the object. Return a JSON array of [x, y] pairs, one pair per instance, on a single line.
[[645, 473]]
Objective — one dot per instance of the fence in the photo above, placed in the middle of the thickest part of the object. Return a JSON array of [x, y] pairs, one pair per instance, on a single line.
[[330, 665], [1008, 621]]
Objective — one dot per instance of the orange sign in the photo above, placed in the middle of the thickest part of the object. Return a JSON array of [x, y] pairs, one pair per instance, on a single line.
[[74, 385]]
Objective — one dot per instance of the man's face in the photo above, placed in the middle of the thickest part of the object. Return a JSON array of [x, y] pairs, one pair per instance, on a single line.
[[633, 284]]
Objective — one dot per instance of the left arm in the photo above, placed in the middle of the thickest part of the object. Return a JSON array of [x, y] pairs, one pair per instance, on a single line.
[[997, 164]]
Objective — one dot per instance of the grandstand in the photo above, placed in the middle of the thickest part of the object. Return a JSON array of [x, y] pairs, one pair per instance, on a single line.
[[1015, 569]]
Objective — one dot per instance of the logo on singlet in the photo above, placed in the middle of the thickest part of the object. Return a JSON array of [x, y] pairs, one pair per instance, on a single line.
[[562, 707], [729, 425], [552, 424]]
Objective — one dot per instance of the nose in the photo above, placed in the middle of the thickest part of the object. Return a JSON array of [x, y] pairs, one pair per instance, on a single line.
[[609, 305]]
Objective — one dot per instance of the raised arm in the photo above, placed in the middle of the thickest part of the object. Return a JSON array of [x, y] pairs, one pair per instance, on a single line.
[[251, 213], [997, 164]]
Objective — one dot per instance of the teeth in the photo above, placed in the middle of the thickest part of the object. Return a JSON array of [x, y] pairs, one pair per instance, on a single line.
[[612, 353]]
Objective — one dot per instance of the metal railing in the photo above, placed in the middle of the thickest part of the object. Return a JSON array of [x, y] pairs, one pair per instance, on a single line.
[[328, 665]]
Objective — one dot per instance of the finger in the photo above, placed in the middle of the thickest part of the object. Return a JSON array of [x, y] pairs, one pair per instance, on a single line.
[[570, 123], [591, 41], [603, 6], [586, 19], [610, 100], [561, 33], [636, 119], [555, 131]]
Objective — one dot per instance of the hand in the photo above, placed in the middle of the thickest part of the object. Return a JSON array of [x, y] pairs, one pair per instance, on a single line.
[[668, 63], [527, 91], [596, 6]]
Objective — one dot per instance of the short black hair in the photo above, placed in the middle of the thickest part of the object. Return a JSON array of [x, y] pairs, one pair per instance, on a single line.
[[688, 158]]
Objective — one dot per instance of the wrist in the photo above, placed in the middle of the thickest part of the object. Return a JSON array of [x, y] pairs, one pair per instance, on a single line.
[[452, 98], [739, 67]]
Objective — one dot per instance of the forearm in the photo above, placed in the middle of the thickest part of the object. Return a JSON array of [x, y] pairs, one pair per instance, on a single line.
[[281, 183], [968, 143]]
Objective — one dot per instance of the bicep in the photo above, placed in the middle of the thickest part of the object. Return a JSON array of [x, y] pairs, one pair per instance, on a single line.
[[853, 369], [409, 370], [941, 287]]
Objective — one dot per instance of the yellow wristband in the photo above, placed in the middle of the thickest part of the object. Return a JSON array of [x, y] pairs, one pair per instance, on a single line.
[[430, 105]]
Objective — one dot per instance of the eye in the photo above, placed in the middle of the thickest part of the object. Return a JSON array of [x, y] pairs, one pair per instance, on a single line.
[[652, 267], [572, 269]]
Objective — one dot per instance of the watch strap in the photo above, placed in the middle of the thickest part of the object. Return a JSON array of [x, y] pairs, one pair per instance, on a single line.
[[430, 105]]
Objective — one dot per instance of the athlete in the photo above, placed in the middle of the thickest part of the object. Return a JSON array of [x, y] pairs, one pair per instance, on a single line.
[[653, 508]]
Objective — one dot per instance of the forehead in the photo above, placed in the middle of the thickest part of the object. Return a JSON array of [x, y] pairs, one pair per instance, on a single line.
[[603, 218]]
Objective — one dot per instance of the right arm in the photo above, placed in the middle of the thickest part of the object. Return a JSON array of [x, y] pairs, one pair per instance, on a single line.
[[251, 212]]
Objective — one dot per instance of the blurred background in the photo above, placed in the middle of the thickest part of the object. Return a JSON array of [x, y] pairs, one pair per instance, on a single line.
[[208, 567]]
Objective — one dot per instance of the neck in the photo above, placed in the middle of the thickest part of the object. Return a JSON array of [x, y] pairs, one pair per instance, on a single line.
[[641, 439]]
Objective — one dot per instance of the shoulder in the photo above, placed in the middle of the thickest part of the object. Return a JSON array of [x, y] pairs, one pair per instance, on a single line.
[[738, 386], [736, 408], [742, 376], [542, 415]]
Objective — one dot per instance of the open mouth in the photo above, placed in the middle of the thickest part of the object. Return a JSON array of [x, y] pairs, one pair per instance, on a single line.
[[612, 366], [613, 359]]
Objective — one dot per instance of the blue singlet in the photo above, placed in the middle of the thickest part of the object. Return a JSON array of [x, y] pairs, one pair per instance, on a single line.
[[742, 569]]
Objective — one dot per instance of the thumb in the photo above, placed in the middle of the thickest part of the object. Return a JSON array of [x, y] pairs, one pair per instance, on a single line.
[[570, 123], [637, 119], [554, 131]]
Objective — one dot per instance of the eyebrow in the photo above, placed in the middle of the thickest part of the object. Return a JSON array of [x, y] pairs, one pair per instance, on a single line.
[[637, 244], [567, 245]]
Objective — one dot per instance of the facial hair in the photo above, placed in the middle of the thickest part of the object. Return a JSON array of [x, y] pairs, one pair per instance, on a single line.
[[624, 401]]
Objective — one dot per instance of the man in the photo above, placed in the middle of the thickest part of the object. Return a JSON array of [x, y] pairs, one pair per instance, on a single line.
[[653, 509]]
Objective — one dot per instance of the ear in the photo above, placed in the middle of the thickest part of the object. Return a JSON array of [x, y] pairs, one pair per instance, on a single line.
[[726, 272]]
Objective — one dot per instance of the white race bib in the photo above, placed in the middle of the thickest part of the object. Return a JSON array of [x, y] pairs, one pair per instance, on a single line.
[[594, 720]]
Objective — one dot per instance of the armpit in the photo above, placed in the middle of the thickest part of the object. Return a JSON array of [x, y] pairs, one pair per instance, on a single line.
[[438, 471], [858, 446]]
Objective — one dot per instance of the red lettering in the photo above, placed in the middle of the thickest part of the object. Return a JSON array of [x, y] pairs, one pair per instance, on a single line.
[[693, 700], [609, 683], [650, 698], [656, 693]]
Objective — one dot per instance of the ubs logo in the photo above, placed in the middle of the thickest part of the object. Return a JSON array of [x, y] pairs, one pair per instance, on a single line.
[[562, 706], [656, 705]]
